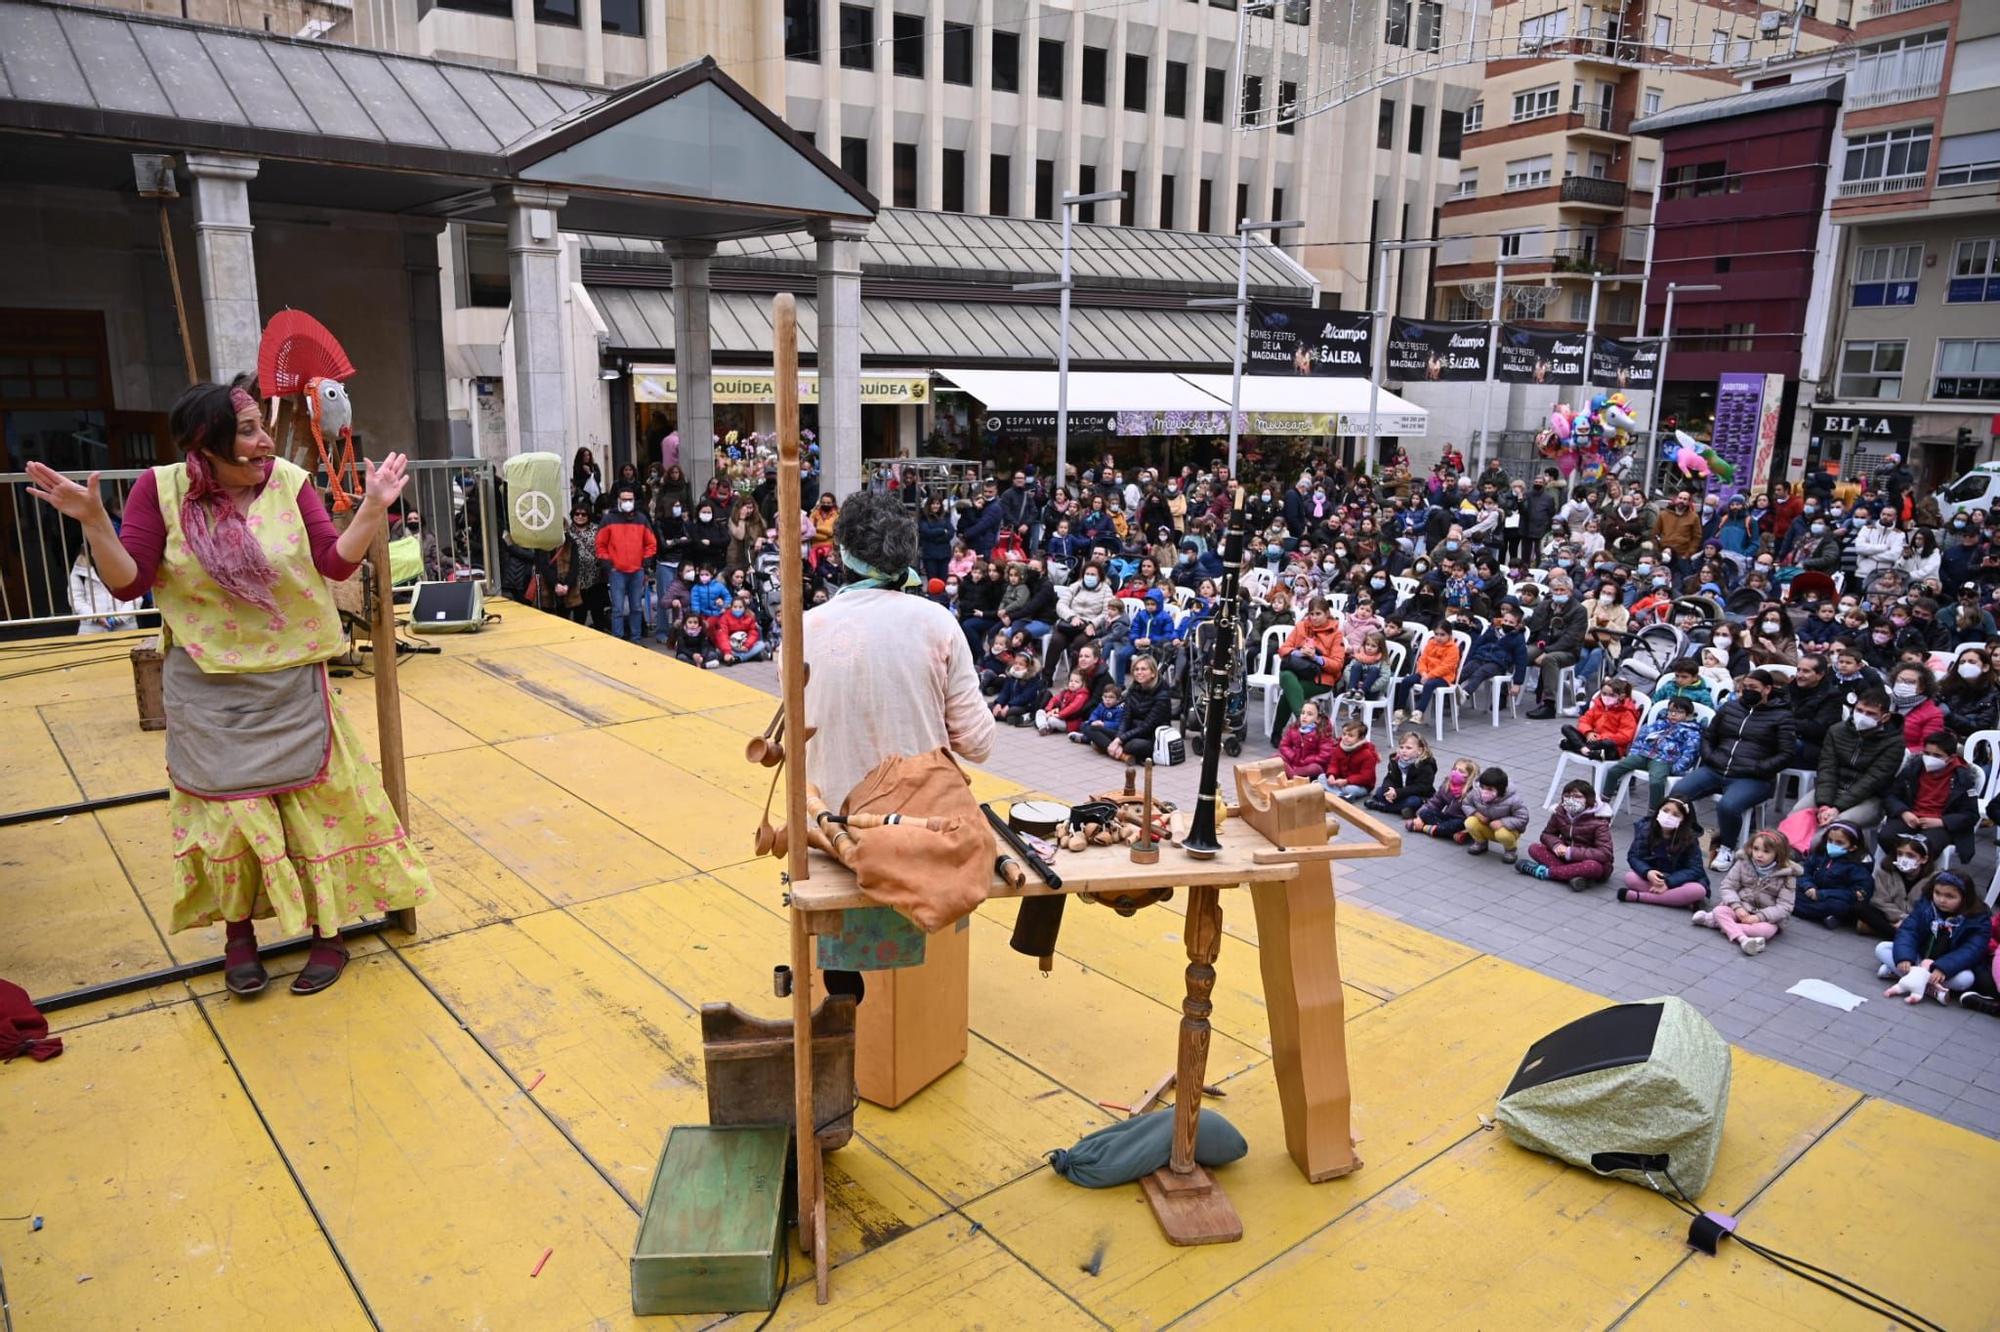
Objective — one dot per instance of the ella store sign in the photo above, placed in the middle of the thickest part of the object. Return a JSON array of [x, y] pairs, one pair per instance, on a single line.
[[889, 389], [1862, 425]]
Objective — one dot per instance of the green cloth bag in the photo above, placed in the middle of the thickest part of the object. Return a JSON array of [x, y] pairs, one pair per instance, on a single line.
[[1132, 1149]]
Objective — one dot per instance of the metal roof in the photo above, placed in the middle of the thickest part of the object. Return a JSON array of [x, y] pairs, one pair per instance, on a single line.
[[1754, 102], [970, 248], [641, 321]]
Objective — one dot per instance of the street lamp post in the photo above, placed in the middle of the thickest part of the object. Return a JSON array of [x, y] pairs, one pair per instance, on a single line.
[[1480, 454], [1660, 371], [1241, 304], [1070, 203], [1379, 334]]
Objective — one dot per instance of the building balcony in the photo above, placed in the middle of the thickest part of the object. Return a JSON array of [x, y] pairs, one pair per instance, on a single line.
[[1601, 120], [1916, 92], [1592, 192], [1860, 189], [1875, 9]]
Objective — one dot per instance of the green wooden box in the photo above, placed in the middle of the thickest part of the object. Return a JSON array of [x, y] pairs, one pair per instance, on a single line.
[[715, 1216]]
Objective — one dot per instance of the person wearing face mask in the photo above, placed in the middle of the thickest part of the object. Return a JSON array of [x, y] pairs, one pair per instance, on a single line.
[[1822, 549], [1575, 846], [1665, 859], [583, 586], [1969, 695], [1913, 695], [708, 536], [1769, 640], [1858, 761], [1555, 640], [1903, 876], [1934, 797], [626, 543], [1878, 546], [1494, 813], [1743, 750], [1836, 879]]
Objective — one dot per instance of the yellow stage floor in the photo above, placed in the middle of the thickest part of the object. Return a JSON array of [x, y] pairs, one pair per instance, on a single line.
[[375, 1156]]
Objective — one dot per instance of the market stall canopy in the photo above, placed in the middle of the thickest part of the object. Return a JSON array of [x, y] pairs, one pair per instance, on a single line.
[[1345, 400], [1166, 403], [1089, 391]]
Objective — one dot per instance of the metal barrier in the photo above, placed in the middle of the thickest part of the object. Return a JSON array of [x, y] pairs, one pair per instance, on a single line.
[[48, 579]]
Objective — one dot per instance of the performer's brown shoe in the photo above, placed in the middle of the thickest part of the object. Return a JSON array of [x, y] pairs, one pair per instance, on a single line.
[[323, 967]]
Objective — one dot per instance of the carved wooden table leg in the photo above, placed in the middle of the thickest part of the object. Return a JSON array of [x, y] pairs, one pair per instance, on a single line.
[[1189, 1205], [1305, 1006]]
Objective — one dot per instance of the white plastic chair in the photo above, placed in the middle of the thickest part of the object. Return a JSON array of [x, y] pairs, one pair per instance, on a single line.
[[1392, 671], [1337, 602], [1258, 582], [1405, 586], [1566, 760], [1265, 677], [1447, 697]]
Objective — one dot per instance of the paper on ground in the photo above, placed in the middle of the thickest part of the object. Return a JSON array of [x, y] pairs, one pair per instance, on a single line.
[[1826, 992]]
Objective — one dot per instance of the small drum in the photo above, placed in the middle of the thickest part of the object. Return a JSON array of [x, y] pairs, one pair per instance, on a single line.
[[1038, 818]]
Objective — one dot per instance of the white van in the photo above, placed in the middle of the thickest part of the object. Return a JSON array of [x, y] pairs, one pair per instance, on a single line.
[[1977, 489]]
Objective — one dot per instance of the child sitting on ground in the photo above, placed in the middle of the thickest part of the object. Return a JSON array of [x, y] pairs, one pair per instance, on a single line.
[[1409, 780], [1443, 815], [1494, 814], [1364, 668], [1946, 934], [1836, 880], [1307, 744], [1067, 708], [1756, 894], [1665, 859], [1683, 680], [1607, 726], [1669, 746], [1575, 846], [1350, 770], [1020, 695], [993, 666], [1902, 878], [1106, 720], [693, 645]]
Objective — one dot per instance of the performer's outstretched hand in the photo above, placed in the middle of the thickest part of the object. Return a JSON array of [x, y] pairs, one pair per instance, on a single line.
[[384, 481], [84, 502]]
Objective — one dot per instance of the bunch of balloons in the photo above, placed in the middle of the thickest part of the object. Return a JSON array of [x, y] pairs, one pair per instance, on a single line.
[[1695, 458], [1583, 441]]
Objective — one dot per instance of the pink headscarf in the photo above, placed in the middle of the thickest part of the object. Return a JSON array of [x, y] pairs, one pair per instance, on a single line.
[[221, 541]]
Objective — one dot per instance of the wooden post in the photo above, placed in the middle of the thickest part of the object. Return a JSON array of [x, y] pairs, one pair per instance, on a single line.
[[792, 668], [388, 699]]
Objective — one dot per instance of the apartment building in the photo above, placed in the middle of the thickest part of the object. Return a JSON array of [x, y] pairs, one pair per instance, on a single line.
[[1913, 357], [1551, 179]]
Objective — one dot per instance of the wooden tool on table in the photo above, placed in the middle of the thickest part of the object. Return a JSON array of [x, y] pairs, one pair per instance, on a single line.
[[1146, 851]]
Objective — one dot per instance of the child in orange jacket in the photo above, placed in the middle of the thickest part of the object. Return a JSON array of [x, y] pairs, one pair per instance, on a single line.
[[1437, 668], [1606, 728]]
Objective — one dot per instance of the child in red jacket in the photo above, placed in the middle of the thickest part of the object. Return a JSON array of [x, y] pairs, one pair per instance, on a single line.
[[736, 636], [1606, 728], [1307, 745], [1350, 773], [1067, 708]]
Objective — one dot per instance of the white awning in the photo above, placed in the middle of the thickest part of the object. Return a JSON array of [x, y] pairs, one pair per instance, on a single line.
[[1089, 390], [1320, 395]]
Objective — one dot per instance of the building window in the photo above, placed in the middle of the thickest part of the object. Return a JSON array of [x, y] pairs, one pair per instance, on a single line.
[[1468, 183], [1530, 173], [1461, 308], [1451, 134], [802, 30], [1253, 100], [1128, 207], [1663, 32], [1537, 102], [1898, 71], [1510, 244], [1174, 97], [1396, 24], [957, 54], [1006, 61], [1969, 159], [1475, 117], [1136, 83], [1242, 205], [1214, 95], [1544, 29], [1887, 274], [1277, 205], [1385, 123], [1699, 180], [1643, 170], [1086, 183], [1202, 201], [857, 37], [1975, 271], [1045, 189], [627, 18], [906, 45], [903, 175], [562, 13], [487, 281], [1650, 103], [1415, 143], [1049, 69], [999, 184], [952, 171], [1718, 46], [1579, 307], [1096, 74], [1871, 370], [1166, 202], [1968, 368], [1430, 25], [1886, 162], [854, 157], [1288, 107]]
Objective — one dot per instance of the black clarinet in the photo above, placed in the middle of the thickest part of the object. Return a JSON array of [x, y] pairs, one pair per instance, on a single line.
[[1201, 841]]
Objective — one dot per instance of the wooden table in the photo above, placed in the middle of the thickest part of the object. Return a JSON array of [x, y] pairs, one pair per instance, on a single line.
[[1278, 843]]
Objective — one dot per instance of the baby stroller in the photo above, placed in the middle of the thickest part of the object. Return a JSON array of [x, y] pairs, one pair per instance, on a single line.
[[1200, 644], [1648, 654]]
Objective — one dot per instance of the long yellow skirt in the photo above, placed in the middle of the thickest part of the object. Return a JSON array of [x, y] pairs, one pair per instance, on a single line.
[[314, 859]]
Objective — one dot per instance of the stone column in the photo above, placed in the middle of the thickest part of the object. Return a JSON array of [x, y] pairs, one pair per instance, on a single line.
[[656, 36], [431, 437], [228, 262], [839, 361], [694, 410], [591, 15], [535, 273], [525, 58]]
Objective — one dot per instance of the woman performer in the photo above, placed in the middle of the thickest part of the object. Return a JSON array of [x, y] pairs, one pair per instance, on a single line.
[[275, 810]]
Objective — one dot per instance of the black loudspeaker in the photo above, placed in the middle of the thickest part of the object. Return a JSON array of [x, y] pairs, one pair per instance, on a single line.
[[447, 608], [1637, 1090]]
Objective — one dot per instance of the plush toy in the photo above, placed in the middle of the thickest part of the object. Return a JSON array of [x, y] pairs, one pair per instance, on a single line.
[[1912, 985]]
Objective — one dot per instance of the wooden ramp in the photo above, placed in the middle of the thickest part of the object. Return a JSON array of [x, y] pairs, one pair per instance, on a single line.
[[401, 1152]]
